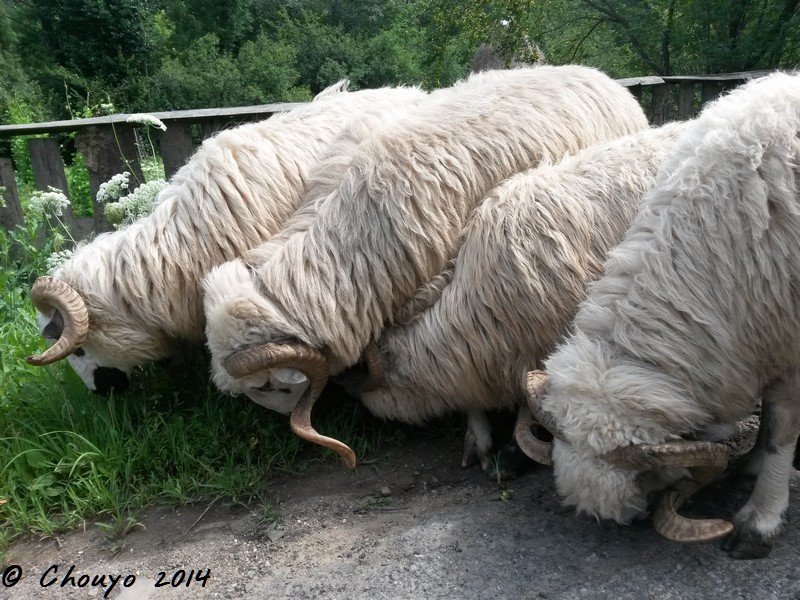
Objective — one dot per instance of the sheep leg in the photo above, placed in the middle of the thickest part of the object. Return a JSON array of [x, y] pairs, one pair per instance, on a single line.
[[758, 522], [478, 440]]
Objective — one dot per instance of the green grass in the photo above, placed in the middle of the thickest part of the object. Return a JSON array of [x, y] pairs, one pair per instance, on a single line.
[[68, 456]]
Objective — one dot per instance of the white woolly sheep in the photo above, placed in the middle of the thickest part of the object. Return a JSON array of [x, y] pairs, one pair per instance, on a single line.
[[696, 317], [393, 223], [528, 252], [131, 296]]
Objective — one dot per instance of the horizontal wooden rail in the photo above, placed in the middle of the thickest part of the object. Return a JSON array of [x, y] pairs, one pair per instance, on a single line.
[[108, 144], [200, 115]]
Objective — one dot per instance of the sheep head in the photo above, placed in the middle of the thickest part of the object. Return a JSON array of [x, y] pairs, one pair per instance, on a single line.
[[65, 322], [312, 363], [68, 319], [620, 480]]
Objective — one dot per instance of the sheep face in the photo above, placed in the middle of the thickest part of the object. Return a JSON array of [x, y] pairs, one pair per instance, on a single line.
[[604, 491], [602, 399], [246, 316], [100, 376], [277, 389]]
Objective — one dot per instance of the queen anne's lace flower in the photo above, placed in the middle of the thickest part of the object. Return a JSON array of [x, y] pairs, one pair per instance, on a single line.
[[49, 203], [113, 188], [139, 203], [56, 259], [146, 119]]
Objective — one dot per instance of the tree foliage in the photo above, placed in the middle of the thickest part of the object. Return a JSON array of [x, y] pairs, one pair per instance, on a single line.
[[64, 57], [683, 36]]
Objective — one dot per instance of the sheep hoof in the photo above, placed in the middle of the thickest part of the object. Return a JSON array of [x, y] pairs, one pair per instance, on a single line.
[[473, 453], [745, 543]]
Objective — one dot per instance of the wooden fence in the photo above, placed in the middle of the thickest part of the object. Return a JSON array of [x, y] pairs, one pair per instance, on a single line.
[[108, 144]]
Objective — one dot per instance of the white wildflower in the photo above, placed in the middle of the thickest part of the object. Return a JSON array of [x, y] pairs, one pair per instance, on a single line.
[[56, 259], [113, 188], [146, 119], [139, 203], [49, 203]]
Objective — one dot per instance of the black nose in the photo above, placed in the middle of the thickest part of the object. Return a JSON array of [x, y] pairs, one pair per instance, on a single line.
[[108, 379]]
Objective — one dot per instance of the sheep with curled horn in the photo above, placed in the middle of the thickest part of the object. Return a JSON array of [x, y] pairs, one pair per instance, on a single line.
[[528, 252], [132, 296], [696, 318], [393, 223]]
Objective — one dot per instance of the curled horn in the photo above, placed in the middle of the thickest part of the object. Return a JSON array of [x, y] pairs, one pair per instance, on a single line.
[[673, 526], [48, 294], [534, 448], [704, 460], [535, 383], [678, 454], [314, 365]]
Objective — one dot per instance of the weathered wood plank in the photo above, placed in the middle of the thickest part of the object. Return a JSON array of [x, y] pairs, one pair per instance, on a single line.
[[176, 147], [83, 227], [186, 116], [708, 91], [685, 99], [108, 151], [738, 76], [213, 127], [634, 81], [263, 111], [636, 92], [48, 171], [659, 108], [11, 212]]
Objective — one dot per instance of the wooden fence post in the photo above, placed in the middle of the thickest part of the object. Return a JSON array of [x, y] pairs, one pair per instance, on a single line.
[[108, 150], [212, 127], [660, 101], [685, 100], [176, 147], [11, 212], [48, 171], [708, 91]]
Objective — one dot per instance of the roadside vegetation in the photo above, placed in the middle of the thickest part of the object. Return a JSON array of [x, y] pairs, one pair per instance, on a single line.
[[67, 456]]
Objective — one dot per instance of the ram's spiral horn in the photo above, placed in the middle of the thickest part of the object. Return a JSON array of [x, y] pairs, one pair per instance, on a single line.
[[705, 460], [673, 526], [314, 365], [533, 447], [49, 295], [535, 383], [677, 454]]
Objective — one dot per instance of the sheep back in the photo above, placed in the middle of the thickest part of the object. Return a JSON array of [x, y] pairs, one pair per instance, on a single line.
[[397, 215], [529, 250], [142, 285]]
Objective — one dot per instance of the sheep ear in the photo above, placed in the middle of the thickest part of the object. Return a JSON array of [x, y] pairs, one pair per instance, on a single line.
[[55, 327]]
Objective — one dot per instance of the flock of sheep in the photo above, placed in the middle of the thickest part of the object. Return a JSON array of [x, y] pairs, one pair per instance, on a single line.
[[520, 240]]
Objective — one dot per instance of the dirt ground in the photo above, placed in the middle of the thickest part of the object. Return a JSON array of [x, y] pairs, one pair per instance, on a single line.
[[408, 523]]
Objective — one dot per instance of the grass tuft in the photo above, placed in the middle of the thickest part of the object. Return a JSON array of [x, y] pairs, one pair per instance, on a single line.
[[68, 456]]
